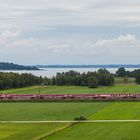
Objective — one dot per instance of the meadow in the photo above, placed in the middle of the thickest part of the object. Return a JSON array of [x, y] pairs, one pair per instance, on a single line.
[[9, 131], [66, 131], [68, 111], [47, 111], [56, 111], [99, 131], [118, 88]]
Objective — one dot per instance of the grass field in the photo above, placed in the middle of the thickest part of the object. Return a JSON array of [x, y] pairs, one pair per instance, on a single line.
[[121, 80], [67, 111], [64, 131], [120, 88], [28, 131], [47, 111], [99, 131]]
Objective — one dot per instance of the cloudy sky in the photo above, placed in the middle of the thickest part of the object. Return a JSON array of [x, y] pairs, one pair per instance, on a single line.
[[70, 31]]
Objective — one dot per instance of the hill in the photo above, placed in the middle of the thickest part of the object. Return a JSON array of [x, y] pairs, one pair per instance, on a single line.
[[12, 66]]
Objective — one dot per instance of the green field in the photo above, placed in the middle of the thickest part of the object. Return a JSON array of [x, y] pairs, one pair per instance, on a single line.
[[65, 131], [120, 88], [28, 131], [47, 111], [68, 111], [99, 131], [121, 80]]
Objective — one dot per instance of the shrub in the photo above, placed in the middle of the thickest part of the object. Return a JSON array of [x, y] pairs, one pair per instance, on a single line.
[[81, 118]]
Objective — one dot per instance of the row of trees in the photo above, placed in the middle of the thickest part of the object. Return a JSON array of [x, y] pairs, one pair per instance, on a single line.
[[90, 79], [14, 80], [73, 78]]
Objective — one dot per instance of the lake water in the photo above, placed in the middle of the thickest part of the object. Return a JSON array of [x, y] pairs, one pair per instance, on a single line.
[[50, 72]]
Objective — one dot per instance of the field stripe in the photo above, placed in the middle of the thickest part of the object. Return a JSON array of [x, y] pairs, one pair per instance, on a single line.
[[88, 121]]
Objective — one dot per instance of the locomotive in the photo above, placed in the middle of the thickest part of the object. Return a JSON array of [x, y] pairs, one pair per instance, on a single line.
[[68, 97]]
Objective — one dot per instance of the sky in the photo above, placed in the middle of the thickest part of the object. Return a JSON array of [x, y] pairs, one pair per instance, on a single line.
[[70, 31]]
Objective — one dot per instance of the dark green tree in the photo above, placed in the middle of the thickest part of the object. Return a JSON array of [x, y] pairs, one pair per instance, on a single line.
[[92, 82], [137, 78], [121, 72]]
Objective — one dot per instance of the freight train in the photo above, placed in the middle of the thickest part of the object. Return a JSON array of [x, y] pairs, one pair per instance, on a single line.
[[68, 97]]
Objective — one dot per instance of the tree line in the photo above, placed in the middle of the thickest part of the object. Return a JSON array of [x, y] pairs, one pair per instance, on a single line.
[[71, 78], [14, 80], [91, 79]]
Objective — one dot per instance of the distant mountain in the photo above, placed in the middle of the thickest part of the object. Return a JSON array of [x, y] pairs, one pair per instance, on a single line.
[[91, 66], [11, 66]]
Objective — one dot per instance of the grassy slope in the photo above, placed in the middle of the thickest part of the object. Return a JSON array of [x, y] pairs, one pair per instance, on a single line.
[[122, 88], [28, 131]]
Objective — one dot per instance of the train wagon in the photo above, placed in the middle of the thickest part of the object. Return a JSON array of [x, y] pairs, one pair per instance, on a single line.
[[66, 97]]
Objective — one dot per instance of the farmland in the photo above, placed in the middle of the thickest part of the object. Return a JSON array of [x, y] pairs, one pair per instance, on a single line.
[[65, 131], [47, 111], [119, 88], [28, 131], [57, 111], [99, 131], [68, 111]]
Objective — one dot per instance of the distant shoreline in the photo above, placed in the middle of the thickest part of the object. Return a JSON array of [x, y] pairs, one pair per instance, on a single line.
[[87, 66]]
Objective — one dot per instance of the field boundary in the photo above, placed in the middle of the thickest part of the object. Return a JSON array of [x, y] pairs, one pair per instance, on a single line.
[[88, 121]]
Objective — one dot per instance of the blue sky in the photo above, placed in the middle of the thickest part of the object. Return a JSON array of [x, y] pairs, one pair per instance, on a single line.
[[70, 31]]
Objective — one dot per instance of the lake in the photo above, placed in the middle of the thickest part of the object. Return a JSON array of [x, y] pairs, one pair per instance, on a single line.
[[50, 72]]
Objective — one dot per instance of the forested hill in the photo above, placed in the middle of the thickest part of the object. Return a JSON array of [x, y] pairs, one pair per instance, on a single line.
[[11, 66]]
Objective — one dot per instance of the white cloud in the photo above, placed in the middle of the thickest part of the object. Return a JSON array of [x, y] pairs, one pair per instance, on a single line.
[[126, 40], [42, 49], [12, 41], [120, 46]]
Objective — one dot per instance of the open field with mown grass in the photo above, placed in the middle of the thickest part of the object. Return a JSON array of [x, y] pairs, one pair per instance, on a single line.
[[120, 88], [68, 111], [48, 111], [99, 131], [65, 131], [28, 131]]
